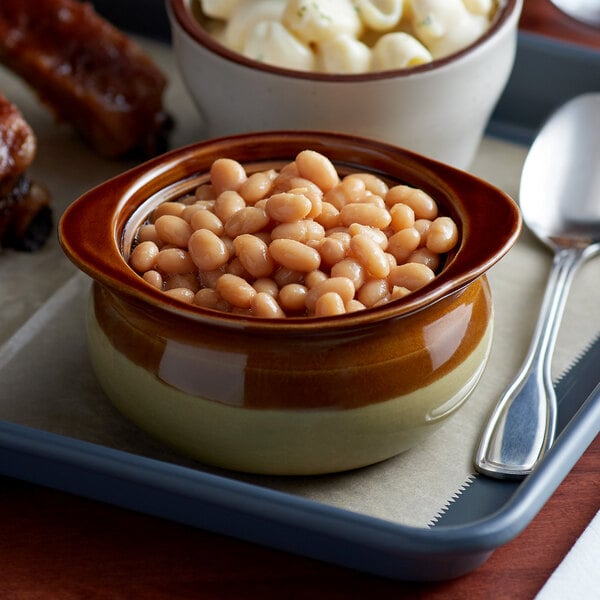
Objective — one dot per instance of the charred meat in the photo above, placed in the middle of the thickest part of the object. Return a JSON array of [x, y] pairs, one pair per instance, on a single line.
[[25, 213], [88, 73]]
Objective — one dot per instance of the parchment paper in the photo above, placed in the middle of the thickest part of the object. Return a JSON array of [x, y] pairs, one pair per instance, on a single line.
[[47, 382]]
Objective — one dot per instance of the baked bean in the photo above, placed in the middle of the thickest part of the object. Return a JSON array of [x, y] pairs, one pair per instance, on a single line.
[[174, 260], [235, 290], [426, 257], [329, 216], [421, 202], [257, 186], [227, 204], [294, 255], [351, 269], [208, 298], [411, 276], [143, 256], [190, 210], [331, 250], [254, 254], [169, 208], [354, 306], [422, 226], [317, 168], [371, 182], [266, 285], [372, 292], [226, 174], [293, 231], [206, 219], [399, 292], [265, 306], [350, 189], [147, 233], [207, 250], [311, 190], [403, 216], [370, 254], [315, 278], [287, 207], [314, 231], [442, 235], [365, 214], [249, 219], [378, 236], [173, 230], [403, 243], [391, 259], [182, 294], [342, 286], [329, 304], [292, 297], [154, 278], [374, 199], [205, 204], [341, 234], [316, 202]]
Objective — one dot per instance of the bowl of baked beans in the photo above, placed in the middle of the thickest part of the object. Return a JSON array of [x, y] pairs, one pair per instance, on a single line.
[[290, 302], [422, 74]]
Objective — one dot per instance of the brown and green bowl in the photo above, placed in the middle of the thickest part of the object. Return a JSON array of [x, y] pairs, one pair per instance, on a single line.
[[302, 395]]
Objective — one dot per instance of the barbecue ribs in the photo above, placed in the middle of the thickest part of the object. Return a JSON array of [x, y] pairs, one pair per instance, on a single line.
[[25, 213], [88, 73]]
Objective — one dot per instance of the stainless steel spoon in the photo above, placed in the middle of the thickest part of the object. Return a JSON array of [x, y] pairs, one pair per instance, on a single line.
[[560, 203], [586, 11]]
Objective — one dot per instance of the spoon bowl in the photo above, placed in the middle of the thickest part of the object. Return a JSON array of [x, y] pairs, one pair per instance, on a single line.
[[584, 11], [560, 204], [560, 187]]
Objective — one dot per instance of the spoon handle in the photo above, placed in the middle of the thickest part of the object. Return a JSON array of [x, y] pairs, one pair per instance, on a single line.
[[523, 423]]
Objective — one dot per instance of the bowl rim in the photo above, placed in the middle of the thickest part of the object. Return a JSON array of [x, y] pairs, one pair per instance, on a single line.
[[99, 217], [179, 12]]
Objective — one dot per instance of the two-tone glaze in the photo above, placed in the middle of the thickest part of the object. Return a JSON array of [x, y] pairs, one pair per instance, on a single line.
[[300, 395]]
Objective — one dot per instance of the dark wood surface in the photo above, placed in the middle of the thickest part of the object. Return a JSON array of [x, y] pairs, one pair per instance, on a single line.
[[57, 546]]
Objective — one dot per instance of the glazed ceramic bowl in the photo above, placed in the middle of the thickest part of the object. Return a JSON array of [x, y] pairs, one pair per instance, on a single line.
[[440, 109], [302, 395]]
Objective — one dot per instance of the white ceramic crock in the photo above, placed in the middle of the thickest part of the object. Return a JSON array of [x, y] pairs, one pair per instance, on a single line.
[[440, 109]]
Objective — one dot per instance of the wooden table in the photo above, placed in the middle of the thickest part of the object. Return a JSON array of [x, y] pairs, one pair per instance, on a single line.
[[53, 545]]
